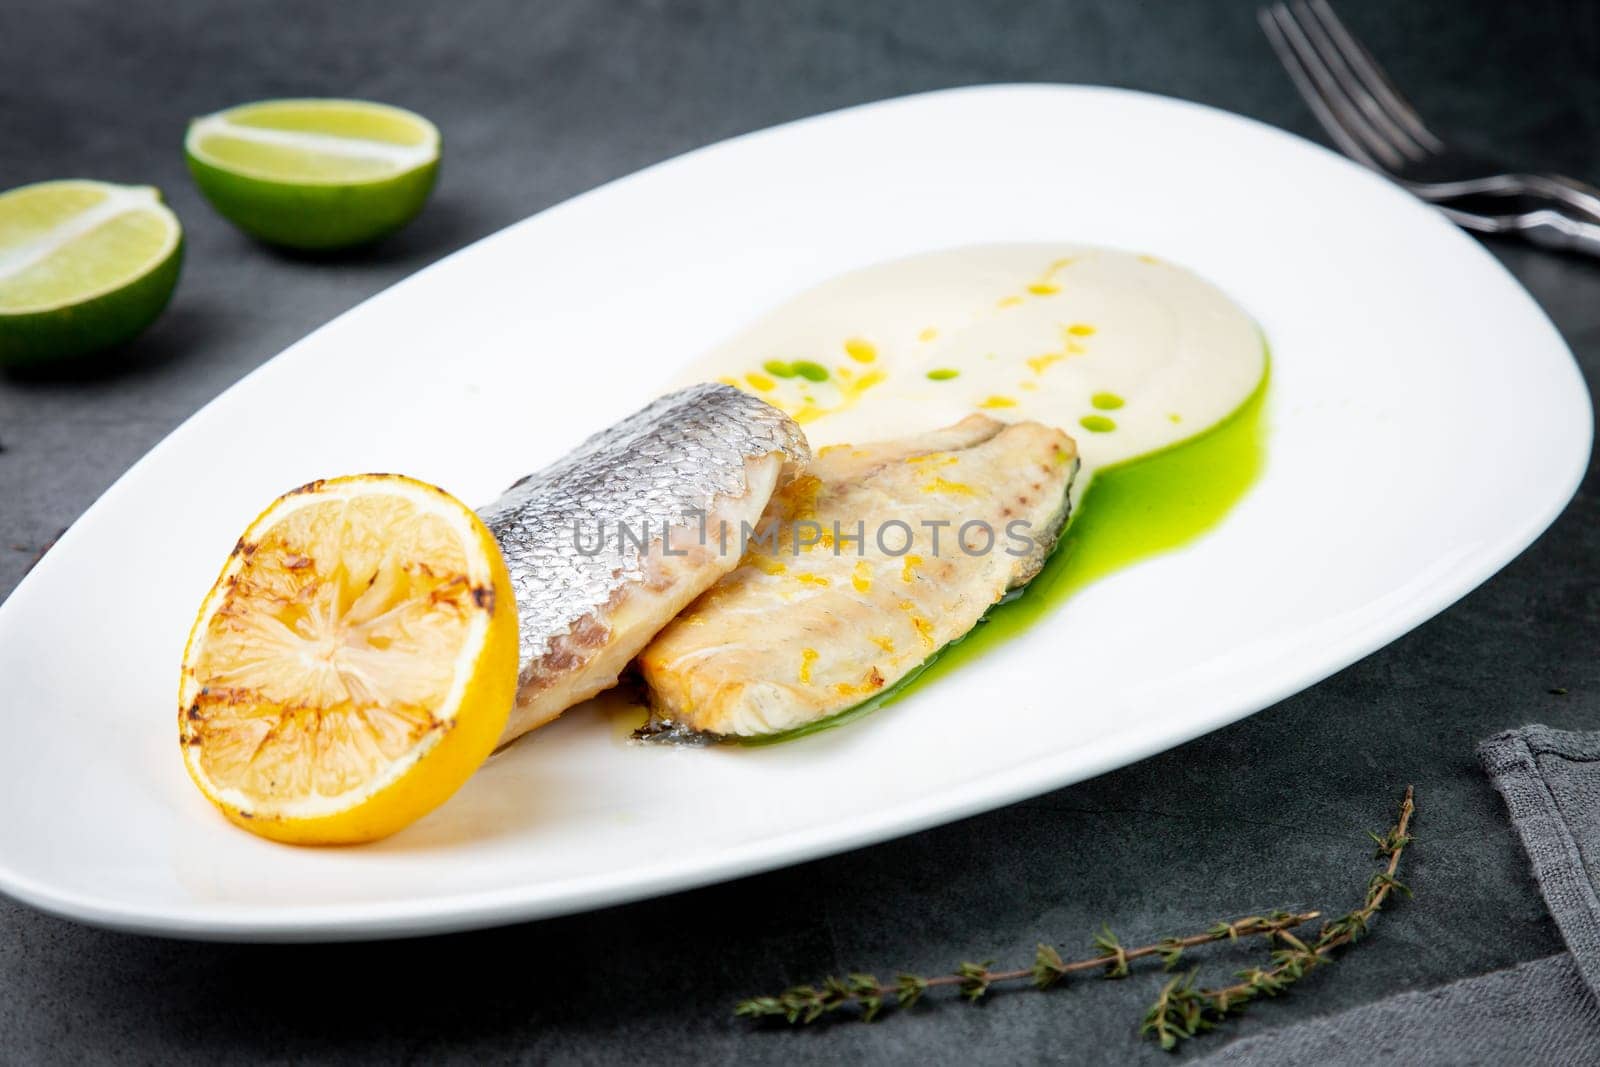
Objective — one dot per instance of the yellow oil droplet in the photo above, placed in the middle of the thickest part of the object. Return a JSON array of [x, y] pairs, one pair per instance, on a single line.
[[811, 579], [949, 488], [924, 629], [997, 402], [885, 643], [808, 656], [725, 380], [941, 459], [1076, 348], [1097, 424], [861, 579], [1044, 289], [1028, 387], [1152, 260], [760, 381], [1039, 363], [1009, 302], [860, 350], [767, 566], [1174, 417], [865, 382], [928, 334], [908, 569], [799, 498], [1081, 329]]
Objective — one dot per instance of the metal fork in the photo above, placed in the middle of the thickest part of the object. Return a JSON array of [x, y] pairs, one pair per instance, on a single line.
[[1371, 122]]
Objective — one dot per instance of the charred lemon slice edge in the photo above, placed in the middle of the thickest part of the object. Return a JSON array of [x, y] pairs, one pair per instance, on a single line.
[[353, 665]]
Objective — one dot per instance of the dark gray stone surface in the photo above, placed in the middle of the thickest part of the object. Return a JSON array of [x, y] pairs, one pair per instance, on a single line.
[[538, 102]]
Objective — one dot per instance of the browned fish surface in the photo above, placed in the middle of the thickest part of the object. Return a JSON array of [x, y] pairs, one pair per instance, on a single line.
[[872, 560]]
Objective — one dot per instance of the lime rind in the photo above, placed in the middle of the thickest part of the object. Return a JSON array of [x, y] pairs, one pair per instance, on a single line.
[[117, 200], [95, 301], [363, 174], [60, 335], [314, 217]]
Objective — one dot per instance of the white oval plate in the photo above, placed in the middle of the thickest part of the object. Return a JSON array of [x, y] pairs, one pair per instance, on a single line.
[[1427, 424]]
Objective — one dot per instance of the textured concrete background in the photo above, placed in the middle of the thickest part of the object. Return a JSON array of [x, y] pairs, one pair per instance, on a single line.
[[538, 102]]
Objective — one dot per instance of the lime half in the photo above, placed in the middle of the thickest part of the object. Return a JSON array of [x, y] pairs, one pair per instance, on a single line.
[[83, 266], [314, 174]]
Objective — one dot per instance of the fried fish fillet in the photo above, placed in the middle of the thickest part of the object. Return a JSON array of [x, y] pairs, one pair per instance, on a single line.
[[875, 558], [607, 544]]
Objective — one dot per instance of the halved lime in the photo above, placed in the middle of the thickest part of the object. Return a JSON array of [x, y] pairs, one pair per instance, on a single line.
[[314, 174], [83, 266]]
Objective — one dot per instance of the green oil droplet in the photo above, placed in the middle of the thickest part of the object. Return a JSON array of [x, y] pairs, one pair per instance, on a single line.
[[1097, 424], [811, 372], [1130, 512], [1106, 401], [778, 368], [943, 374]]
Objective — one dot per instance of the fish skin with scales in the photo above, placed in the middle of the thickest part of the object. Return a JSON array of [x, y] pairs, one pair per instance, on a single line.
[[707, 450]]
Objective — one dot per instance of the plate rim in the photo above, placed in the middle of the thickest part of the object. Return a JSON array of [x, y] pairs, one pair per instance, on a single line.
[[481, 908]]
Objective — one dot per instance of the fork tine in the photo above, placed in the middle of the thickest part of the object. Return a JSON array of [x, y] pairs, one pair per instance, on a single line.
[[1375, 78], [1268, 18], [1352, 86], [1342, 119]]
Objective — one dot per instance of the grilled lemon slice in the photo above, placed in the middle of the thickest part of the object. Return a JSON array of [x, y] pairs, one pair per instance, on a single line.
[[354, 663]]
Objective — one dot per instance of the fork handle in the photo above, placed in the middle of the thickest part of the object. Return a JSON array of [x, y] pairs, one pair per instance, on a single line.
[[1579, 198], [1552, 229], [1546, 228]]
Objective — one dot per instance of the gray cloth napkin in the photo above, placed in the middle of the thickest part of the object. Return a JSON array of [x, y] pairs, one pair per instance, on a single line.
[[1551, 782], [1545, 1012], [1539, 1013]]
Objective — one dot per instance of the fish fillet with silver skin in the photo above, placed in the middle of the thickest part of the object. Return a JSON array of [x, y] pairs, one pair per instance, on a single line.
[[813, 622], [589, 597]]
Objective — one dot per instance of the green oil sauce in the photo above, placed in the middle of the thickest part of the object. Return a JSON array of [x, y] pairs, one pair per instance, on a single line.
[[1130, 512]]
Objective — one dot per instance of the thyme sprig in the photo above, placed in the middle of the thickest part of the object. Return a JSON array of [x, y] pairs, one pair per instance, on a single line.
[[1183, 1010], [807, 1003]]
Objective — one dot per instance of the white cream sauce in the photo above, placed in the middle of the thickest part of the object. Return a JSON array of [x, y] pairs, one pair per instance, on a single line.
[[1126, 353]]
